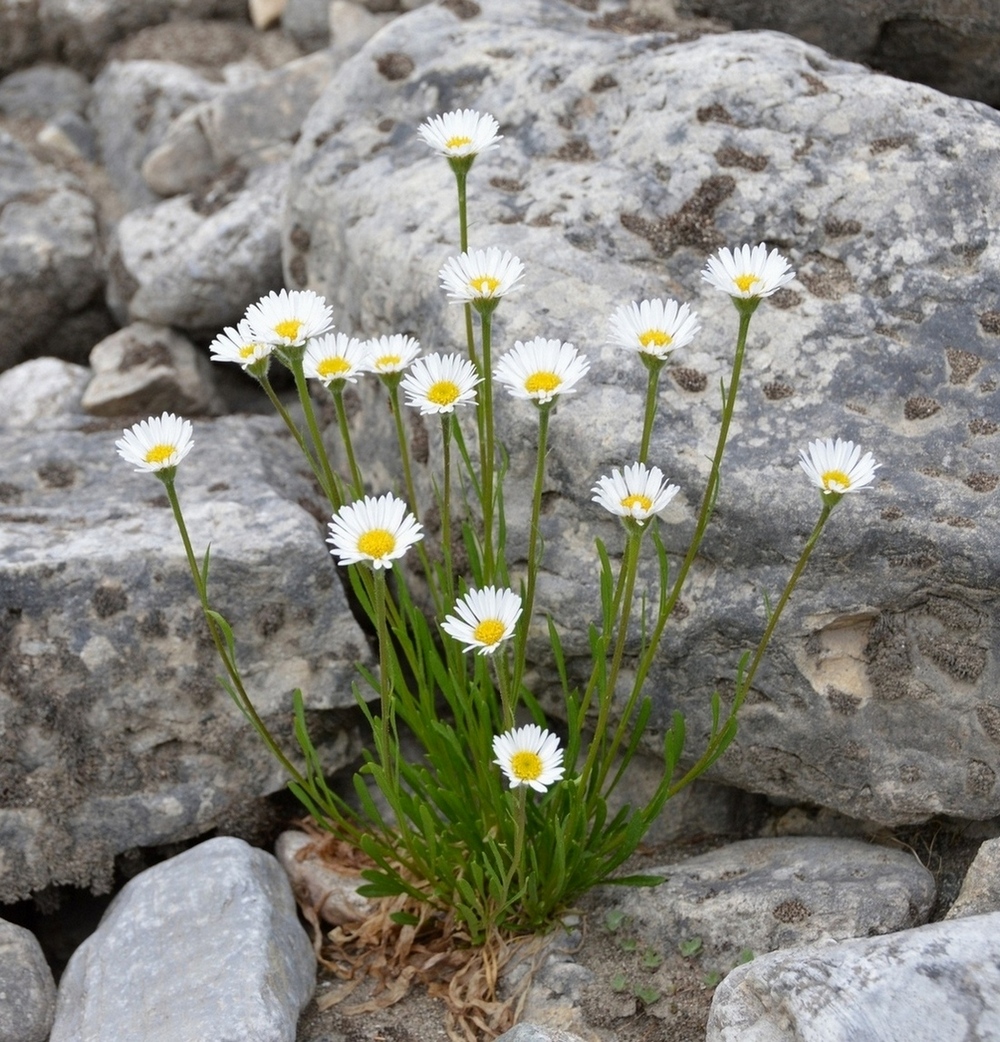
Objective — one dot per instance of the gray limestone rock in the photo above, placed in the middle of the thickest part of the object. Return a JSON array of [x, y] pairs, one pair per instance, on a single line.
[[205, 945], [40, 392], [27, 990], [133, 106], [147, 369], [198, 262], [307, 22], [763, 894], [937, 983], [245, 127], [626, 161], [49, 250], [954, 47], [980, 893], [117, 734], [43, 92], [527, 1032]]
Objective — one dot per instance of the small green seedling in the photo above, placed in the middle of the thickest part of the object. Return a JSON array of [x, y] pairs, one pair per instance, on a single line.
[[651, 959], [619, 983], [712, 978], [690, 947], [745, 956], [646, 995], [614, 920]]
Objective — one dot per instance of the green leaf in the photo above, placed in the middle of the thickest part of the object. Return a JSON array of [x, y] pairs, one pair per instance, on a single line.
[[636, 880], [405, 918]]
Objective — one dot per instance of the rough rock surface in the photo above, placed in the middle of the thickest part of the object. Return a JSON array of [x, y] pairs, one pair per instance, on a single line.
[[878, 696], [198, 262], [49, 249], [980, 893], [147, 369], [104, 648], [205, 945], [27, 990], [954, 47], [764, 894], [937, 983]]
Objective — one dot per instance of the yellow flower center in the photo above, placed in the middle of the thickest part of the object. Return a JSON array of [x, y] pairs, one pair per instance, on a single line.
[[656, 337], [542, 382], [484, 285], [288, 329], [333, 366], [744, 282], [444, 392], [835, 480], [387, 361], [159, 453], [489, 632], [377, 543], [247, 350], [637, 499], [459, 141], [526, 766]]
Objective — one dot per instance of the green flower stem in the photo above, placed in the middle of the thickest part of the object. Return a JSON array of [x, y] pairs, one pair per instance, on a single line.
[[337, 389], [330, 484], [295, 432], [630, 566], [504, 686], [447, 418], [708, 500], [807, 550], [218, 639], [533, 540], [487, 455], [517, 870], [404, 451], [653, 365], [384, 670]]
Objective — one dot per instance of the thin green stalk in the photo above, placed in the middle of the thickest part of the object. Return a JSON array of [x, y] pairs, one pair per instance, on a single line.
[[507, 695], [708, 500], [217, 637], [337, 389], [384, 670], [295, 432], [487, 455], [654, 365], [630, 566], [404, 451], [330, 485], [447, 418], [533, 540]]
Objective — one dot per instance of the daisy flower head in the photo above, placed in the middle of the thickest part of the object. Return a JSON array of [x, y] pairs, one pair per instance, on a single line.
[[748, 273], [289, 319], [374, 530], [333, 357], [460, 134], [483, 619], [156, 445], [654, 327], [481, 277], [837, 467], [390, 354], [529, 756], [239, 345], [636, 494], [437, 383], [541, 369]]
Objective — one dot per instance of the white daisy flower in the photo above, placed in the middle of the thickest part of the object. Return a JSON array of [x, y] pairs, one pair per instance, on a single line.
[[837, 467], [748, 273], [286, 319], [334, 356], [485, 618], [437, 383], [654, 327], [159, 443], [390, 354], [374, 530], [541, 369], [461, 133], [529, 756], [638, 492], [239, 345], [481, 275]]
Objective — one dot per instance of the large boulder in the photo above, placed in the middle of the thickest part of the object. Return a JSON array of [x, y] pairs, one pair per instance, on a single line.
[[117, 733], [626, 160], [50, 258]]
